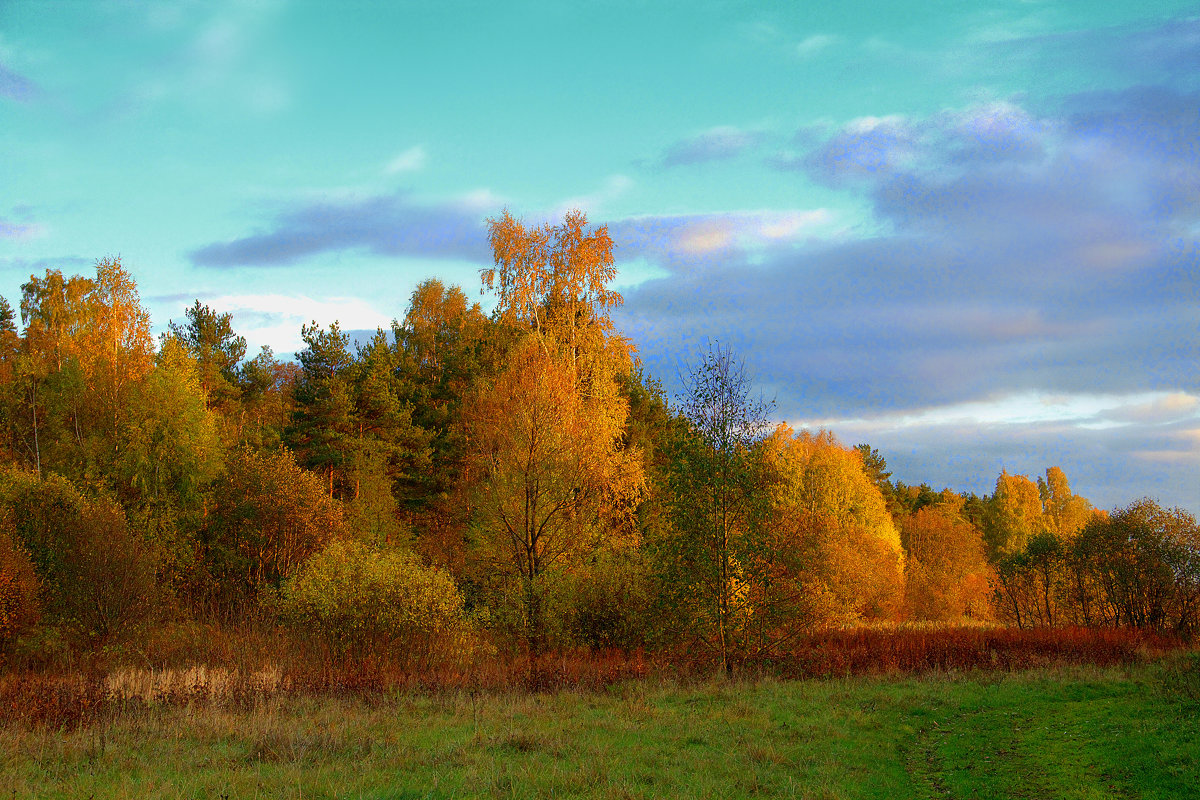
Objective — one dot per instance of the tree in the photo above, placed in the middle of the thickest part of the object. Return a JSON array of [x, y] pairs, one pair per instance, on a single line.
[[267, 388], [553, 473], [826, 505], [1146, 566], [97, 573], [554, 278], [209, 338], [1014, 515], [268, 517], [715, 477], [323, 427], [875, 466], [947, 576], [1064, 513]]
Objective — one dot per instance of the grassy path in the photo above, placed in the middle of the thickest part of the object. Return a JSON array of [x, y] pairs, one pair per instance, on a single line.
[[1072, 733]]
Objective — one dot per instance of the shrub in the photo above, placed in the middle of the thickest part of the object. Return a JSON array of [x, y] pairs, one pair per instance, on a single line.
[[355, 598], [97, 574], [269, 516], [19, 607]]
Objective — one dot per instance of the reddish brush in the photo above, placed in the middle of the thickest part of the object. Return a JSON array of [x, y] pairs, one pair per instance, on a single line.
[[58, 700]]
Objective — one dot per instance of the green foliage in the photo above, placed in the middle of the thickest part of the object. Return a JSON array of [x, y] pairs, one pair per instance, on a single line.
[[358, 598], [208, 336], [606, 602], [98, 574], [716, 479]]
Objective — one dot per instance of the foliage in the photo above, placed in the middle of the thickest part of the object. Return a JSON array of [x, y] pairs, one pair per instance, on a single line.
[[553, 474], [554, 478], [360, 599], [605, 601], [716, 478], [209, 338], [947, 576], [268, 517], [98, 575], [20, 606], [826, 505], [1138, 567]]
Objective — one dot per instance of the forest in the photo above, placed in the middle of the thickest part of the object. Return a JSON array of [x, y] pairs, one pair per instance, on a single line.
[[511, 482]]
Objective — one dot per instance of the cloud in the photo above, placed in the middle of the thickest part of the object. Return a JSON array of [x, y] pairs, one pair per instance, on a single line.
[[681, 241], [275, 320], [716, 144], [393, 225], [1010, 252], [20, 231], [16, 87], [1111, 465], [410, 160], [810, 46]]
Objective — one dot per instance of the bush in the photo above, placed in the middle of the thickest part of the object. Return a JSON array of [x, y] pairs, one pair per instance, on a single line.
[[19, 607], [355, 598], [97, 574]]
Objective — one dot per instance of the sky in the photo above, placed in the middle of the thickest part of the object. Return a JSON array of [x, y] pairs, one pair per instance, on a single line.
[[962, 232]]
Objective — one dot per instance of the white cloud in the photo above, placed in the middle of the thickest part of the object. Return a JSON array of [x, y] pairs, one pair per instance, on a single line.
[[814, 44], [410, 160], [614, 186], [1087, 411], [275, 319]]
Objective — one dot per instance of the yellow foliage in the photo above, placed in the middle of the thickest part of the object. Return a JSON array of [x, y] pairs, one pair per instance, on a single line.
[[824, 505], [354, 596]]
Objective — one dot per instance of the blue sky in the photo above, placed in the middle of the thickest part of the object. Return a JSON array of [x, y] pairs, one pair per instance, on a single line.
[[965, 232]]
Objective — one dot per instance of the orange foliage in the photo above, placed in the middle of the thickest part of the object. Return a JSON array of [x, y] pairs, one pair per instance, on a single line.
[[948, 576]]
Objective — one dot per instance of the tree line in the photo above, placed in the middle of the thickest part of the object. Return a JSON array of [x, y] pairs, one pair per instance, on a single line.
[[514, 475]]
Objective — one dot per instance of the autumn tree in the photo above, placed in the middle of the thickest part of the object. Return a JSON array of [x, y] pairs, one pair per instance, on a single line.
[[825, 505], [947, 576], [554, 278], [1064, 513], [715, 478], [268, 516], [546, 432], [1014, 515]]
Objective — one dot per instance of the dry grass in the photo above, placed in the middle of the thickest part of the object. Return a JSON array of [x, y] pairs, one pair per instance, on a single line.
[[66, 699]]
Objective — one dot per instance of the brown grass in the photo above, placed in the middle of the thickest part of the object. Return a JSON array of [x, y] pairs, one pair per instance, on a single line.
[[65, 699]]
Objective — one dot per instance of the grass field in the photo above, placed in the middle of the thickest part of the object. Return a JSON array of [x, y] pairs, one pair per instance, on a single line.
[[1067, 732]]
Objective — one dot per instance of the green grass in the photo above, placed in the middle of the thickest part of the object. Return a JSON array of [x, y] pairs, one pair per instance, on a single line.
[[1074, 732]]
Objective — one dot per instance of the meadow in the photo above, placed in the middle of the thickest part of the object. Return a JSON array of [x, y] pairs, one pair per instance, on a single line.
[[1061, 731]]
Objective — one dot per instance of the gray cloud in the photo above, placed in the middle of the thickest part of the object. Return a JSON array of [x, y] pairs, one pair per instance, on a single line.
[[16, 87], [715, 144], [1021, 252], [386, 225]]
